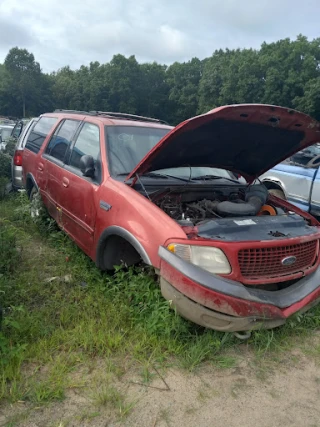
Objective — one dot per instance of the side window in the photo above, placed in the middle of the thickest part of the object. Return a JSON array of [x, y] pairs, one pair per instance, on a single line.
[[39, 133], [61, 139], [88, 142], [17, 130]]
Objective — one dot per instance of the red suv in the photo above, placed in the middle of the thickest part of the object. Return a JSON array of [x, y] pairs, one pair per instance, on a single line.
[[126, 188]]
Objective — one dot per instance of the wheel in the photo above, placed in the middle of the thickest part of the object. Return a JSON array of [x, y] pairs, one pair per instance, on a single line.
[[314, 163], [36, 207], [278, 193]]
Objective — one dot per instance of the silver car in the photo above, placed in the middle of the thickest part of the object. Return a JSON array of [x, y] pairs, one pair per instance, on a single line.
[[16, 165]]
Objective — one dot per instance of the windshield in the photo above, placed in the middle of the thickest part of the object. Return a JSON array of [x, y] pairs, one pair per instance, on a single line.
[[195, 171], [128, 145]]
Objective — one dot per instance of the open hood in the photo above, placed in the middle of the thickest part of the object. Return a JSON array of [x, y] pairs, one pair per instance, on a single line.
[[248, 139]]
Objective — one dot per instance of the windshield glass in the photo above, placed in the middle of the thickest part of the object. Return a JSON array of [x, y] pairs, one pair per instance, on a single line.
[[127, 146], [195, 171]]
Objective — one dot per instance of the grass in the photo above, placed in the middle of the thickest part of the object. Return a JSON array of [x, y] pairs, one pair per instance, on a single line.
[[61, 314]]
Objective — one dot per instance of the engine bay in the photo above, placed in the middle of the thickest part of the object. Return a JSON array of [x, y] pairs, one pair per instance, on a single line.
[[191, 207], [231, 213]]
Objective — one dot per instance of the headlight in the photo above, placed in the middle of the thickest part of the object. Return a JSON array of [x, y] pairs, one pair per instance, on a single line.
[[208, 258]]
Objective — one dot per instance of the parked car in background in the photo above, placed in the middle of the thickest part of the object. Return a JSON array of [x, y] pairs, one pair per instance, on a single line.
[[16, 165], [125, 188], [5, 134], [297, 179], [16, 131]]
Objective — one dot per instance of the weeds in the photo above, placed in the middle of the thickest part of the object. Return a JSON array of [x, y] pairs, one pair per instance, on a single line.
[[108, 395], [61, 312]]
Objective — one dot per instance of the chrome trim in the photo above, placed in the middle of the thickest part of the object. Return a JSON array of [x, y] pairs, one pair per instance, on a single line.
[[105, 206]]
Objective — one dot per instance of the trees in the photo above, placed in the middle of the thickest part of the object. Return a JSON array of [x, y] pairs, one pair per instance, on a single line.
[[183, 81], [24, 75], [285, 73]]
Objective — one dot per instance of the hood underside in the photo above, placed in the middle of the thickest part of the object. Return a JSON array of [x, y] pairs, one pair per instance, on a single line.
[[248, 139]]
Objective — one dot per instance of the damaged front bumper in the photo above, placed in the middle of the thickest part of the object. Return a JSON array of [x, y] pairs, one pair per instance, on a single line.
[[217, 303]]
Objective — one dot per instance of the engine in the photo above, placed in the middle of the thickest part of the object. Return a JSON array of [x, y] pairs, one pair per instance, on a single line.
[[191, 208]]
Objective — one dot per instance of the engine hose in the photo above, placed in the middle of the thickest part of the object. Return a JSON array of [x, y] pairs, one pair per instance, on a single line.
[[255, 197]]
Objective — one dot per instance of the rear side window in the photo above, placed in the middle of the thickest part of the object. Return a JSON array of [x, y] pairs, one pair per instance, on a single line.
[[61, 139], [39, 133], [25, 134], [17, 130]]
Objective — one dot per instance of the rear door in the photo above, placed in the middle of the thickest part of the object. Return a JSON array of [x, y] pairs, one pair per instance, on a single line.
[[79, 193], [55, 155], [34, 164]]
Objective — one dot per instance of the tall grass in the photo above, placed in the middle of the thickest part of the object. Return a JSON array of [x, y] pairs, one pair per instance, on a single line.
[[61, 312]]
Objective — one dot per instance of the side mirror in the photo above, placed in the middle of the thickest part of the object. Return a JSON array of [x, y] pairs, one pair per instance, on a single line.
[[87, 166]]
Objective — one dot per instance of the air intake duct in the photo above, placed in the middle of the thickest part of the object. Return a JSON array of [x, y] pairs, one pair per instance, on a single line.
[[255, 197]]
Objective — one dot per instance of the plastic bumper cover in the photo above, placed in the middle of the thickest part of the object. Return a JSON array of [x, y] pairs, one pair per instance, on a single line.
[[224, 297]]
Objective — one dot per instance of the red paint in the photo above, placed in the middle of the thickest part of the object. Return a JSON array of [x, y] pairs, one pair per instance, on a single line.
[[252, 113], [231, 249], [227, 304], [214, 300]]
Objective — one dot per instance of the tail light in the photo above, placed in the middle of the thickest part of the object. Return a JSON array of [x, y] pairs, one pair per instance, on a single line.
[[17, 158]]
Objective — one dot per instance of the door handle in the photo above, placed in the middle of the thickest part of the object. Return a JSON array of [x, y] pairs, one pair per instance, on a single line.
[[40, 167], [65, 182]]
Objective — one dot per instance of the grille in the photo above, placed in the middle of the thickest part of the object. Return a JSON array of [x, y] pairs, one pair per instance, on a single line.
[[266, 262]]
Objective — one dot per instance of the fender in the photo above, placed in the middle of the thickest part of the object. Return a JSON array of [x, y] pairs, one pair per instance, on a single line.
[[126, 235]]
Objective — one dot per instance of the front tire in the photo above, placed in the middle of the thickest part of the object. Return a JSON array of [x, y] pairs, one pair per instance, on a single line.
[[278, 193]]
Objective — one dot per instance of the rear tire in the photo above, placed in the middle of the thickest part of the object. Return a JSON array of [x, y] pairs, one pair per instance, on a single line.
[[278, 193]]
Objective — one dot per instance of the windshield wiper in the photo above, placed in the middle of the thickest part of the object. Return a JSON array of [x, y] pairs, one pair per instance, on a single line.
[[164, 175], [212, 177], [157, 175]]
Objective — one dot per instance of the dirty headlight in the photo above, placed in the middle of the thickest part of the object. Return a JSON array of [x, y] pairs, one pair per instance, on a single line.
[[207, 257]]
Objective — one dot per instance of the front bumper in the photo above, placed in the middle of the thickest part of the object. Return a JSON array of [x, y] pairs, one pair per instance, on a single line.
[[221, 304]]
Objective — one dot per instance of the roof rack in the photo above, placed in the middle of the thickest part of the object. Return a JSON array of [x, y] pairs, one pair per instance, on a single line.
[[58, 110], [122, 116], [128, 116]]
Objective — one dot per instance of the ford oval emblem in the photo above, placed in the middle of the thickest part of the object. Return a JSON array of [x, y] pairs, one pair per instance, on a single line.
[[288, 260]]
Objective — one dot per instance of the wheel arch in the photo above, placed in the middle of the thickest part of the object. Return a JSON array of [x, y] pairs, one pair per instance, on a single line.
[[30, 183], [274, 184], [110, 240]]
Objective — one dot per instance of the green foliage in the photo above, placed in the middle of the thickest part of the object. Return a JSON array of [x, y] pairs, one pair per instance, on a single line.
[[9, 254], [285, 72], [5, 172], [5, 165], [61, 312], [10, 147], [24, 74]]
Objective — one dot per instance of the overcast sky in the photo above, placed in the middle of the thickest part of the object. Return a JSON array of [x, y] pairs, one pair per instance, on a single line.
[[76, 32]]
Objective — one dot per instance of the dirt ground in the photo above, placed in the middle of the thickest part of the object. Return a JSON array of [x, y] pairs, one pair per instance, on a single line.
[[282, 392]]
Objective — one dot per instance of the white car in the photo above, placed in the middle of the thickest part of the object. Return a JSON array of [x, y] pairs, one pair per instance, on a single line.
[[5, 134]]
